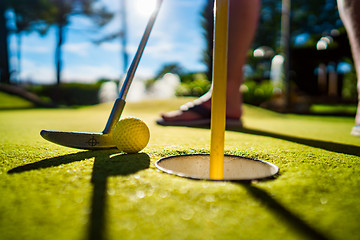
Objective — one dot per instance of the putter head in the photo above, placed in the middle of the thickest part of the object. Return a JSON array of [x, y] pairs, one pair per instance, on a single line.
[[81, 140]]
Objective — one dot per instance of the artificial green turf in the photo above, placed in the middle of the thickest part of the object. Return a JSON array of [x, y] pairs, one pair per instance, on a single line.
[[8, 101], [334, 109], [53, 192]]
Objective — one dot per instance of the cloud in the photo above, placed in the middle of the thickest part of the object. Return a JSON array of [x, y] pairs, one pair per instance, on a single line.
[[89, 73], [81, 49], [36, 49], [144, 72], [166, 49], [35, 72], [111, 46], [45, 74]]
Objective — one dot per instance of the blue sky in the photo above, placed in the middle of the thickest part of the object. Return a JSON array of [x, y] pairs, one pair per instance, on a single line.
[[176, 37]]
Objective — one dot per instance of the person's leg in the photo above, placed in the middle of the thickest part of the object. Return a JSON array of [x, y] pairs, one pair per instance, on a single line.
[[350, 15], [243, 20]]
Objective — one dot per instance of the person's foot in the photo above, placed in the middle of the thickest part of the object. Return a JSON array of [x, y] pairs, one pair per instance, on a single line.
[[197, 113], [191, 111]]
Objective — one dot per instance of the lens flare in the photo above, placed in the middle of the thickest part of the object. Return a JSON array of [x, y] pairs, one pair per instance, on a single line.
[[145, 7]]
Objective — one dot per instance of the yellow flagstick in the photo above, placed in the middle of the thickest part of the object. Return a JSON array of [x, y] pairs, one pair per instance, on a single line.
[[218, 104]]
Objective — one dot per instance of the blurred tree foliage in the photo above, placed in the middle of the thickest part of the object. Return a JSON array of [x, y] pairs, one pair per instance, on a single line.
[[174, 68], [68, 94], [311, 18], [191, 83], [315, 17], [30, 15]]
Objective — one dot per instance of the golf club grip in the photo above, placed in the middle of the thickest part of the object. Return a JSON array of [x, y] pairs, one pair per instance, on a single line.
[[114, 115], [134, 64]]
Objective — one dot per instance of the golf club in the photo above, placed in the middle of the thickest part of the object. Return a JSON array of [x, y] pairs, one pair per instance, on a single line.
[[103, 140]]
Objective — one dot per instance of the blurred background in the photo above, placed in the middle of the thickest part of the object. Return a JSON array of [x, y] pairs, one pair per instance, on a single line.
[[75, 52]]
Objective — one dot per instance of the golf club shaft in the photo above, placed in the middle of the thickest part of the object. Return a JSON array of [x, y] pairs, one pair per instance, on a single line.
[[120, 101], [131, 72]]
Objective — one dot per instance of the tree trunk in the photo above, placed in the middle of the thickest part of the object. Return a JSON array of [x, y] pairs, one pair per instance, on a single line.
[[58, 53], [4, 47], [285, 42], [208, 27], [19, 43]]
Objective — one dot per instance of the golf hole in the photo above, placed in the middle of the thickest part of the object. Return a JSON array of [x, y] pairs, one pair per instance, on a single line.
[[236, 168]]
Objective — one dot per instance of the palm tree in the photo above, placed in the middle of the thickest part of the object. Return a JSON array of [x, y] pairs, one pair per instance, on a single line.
[[29, 16], [63, 10]]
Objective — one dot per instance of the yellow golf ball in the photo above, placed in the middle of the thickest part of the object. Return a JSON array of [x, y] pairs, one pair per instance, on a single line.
[[131, 135]]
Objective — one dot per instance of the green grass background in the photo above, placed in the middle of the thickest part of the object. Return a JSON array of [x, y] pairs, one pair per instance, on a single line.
[[53, 192]]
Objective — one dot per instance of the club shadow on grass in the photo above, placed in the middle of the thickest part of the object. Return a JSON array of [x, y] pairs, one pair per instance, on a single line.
[[107, 163], [289, 218], [325, 145], [119, 165]]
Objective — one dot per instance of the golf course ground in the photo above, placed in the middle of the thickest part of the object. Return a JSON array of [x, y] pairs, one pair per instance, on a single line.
[[52, 192]]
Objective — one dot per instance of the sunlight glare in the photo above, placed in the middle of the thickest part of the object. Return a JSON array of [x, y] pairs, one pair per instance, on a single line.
[[145, 7]]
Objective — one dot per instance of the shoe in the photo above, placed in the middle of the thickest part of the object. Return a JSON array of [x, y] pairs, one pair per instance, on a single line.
[[356, 131], [204, 121]]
